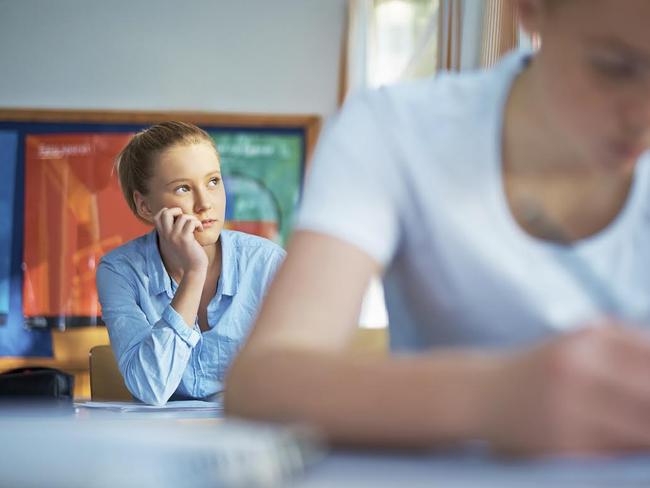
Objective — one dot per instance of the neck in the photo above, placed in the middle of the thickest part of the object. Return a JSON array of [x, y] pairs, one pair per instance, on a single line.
[[544, 173], [213, 251], [214, 254], [534, 145]]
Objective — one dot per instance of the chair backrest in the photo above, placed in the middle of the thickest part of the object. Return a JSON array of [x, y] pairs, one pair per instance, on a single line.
[[370, 341], [106, 382]]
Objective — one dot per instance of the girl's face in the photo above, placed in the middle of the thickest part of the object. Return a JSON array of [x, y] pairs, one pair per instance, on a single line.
[[592, 81], [189, 177]]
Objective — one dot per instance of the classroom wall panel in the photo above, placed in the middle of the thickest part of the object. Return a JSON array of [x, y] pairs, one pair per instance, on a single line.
[[260, 56]]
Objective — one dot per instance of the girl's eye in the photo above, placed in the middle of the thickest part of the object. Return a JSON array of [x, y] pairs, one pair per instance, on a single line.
[[182, 189], [214, 181]]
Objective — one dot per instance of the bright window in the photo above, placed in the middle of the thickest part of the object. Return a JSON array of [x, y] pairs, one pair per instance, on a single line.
[[402, 40]]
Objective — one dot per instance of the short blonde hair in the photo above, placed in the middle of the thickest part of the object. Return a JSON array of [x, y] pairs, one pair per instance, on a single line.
[[135, 163]]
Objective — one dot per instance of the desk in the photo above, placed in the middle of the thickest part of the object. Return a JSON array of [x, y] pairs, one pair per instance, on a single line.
[[472, 470], [162, 449], [59, 448], [468, 468]]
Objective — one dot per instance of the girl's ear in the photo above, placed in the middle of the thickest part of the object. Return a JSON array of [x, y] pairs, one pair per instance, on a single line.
[[142, 207], [530, 14]]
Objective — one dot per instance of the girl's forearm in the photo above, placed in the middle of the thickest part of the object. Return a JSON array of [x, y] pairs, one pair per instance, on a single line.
[[188, 296]]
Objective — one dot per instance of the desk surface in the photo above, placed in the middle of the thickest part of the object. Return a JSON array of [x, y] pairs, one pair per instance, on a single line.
[[473, 470], [467, 468]]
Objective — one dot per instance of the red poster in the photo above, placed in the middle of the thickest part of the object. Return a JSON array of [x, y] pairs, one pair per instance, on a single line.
[[74, 214]]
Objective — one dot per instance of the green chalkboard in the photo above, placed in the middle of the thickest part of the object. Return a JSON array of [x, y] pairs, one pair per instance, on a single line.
[[262, 174]]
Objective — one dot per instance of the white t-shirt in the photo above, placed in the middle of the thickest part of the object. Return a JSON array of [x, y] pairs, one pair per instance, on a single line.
[[412, 175]]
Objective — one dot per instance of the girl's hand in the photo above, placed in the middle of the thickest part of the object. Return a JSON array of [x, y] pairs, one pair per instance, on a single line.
[[177, 241]]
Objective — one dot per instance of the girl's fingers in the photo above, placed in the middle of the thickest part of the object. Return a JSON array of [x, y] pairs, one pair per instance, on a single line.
[[157, 219], [173, 222], [186, 224], [165, 219], [191, 224], [179, 224]]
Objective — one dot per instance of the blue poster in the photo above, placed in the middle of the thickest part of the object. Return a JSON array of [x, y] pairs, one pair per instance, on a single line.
[[8, 154], [15, 339]]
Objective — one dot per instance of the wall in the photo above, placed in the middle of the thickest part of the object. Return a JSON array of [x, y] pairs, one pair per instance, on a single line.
[[278, 56]]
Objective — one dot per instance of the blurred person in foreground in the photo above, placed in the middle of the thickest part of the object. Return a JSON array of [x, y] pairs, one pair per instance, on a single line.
[[508, 211]]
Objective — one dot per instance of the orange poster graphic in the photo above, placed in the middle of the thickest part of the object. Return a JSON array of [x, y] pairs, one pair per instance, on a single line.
[[74, 214]]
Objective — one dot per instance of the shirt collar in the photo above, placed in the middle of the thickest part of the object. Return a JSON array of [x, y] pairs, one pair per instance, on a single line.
[[229, 278], [159, 280]]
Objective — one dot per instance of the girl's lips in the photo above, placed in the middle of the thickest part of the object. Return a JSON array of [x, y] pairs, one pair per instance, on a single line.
[[207, 223]]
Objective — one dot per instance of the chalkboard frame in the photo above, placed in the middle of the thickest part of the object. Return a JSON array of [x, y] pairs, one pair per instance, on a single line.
[[46, 121], [310, 124]]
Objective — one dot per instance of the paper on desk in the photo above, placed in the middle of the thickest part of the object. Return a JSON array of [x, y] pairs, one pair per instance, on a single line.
[[173, 406]]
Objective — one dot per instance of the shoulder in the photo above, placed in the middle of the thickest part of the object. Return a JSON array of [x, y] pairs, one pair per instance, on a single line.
[[131, 255], [251, 248], [642, 173], [441, 101], [447, 96], [249, 262]]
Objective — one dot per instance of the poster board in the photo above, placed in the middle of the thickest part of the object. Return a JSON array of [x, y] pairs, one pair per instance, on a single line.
[[65, 209]]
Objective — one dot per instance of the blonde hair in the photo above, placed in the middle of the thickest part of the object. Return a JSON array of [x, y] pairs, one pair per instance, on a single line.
[[135, 163]]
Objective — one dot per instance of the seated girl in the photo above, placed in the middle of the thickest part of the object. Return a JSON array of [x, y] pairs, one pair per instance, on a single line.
[[179, 301]]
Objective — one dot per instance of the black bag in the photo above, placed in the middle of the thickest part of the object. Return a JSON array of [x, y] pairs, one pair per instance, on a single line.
[[36, 383]]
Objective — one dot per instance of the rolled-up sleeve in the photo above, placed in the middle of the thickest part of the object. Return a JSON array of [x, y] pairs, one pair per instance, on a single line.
[[151, 357]]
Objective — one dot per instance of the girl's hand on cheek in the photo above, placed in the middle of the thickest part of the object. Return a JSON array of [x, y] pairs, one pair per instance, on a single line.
[[177, 240]]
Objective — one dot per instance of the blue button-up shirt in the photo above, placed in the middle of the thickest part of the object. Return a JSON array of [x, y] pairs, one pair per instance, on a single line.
[[159, 356]]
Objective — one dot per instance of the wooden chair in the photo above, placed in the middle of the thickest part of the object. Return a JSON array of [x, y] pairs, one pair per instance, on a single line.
[[373, 341], [106, 382]]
